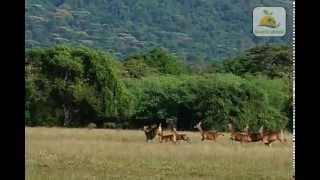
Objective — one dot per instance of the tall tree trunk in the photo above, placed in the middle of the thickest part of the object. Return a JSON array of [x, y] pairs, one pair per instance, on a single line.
[[67, 115], [66, 110]]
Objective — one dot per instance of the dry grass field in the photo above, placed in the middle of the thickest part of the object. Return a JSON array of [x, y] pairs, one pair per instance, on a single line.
[[100, 154]]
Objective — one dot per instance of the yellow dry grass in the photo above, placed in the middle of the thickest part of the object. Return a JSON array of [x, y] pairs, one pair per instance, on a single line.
[[100, 154]]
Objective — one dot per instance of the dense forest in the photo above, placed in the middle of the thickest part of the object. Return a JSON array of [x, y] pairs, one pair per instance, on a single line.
[[74, 86], [194, 30]]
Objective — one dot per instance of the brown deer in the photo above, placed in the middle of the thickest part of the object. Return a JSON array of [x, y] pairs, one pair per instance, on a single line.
[[255, 137], [167, 137], [150, 132], [159, 133], [242, 137], [269, 137], [207, 135], [179, 137]]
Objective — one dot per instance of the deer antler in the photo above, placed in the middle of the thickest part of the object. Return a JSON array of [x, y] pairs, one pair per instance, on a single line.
[[230, 127], [283, 136], [246, 129], [174, 130], [261, 130]]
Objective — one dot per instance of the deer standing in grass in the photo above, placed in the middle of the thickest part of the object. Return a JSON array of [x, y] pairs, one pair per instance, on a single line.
[[255, 137], [179, 137], [150, 132], [207, 135], [269, 137], [167, 137], [242, 137]]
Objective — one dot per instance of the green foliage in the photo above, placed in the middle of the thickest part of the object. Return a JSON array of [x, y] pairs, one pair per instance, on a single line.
[[158, 61], [219, 98], [137, 68], [274, 61], [218, 28], [201, 67], [288, 109], [70, 84], [76, 86]]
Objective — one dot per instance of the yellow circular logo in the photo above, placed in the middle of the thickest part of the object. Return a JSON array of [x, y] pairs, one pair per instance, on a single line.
[[268, 20]]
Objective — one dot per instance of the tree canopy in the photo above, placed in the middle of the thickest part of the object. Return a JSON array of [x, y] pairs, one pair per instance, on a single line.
[[273, 61], [67, 84], [73, 86]]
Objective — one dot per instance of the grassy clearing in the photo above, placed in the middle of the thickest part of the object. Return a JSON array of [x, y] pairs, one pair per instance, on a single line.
[[82, 154]]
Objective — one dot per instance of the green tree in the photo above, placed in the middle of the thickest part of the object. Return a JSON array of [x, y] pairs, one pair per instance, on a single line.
[[157, 60], [77, 82], [137, 68], [220, 98], [273, 61]]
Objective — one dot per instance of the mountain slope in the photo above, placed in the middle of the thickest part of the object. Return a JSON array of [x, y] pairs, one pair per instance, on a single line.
[[208, 29]]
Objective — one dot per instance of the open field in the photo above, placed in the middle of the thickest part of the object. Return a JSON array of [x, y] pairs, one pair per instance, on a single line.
[[82, 154]]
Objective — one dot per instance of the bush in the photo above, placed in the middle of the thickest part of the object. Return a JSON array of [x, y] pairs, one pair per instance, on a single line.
[[220, 98], [69, 86], [92, 126], [73, 85], [109, 125]]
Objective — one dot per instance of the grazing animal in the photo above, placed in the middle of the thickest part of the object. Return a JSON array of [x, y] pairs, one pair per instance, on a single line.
[[242, 137], [255, 137], [150, 132], [159, 133], [179, 137], [165, 138], [208, 135], [269, 137]]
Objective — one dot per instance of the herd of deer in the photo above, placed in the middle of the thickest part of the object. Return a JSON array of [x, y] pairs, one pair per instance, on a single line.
[[244, 136]]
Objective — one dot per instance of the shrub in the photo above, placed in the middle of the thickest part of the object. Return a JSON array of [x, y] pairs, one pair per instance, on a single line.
[[92, 126], [109, 125], [220, 98]]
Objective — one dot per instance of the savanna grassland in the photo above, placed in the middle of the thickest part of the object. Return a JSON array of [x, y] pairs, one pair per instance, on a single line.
[[79, 154]]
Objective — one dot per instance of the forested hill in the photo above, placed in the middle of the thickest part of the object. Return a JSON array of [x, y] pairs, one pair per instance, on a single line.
[[207, 29]]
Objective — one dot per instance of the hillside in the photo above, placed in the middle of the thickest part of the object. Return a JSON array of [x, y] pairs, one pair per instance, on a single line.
[[206, 29]]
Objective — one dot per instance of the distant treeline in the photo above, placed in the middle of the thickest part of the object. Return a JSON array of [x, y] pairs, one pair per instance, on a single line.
[[74, 86]]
